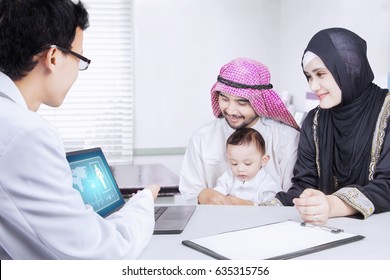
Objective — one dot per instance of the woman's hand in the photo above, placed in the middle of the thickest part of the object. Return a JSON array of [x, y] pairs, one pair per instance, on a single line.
[[313, 206]]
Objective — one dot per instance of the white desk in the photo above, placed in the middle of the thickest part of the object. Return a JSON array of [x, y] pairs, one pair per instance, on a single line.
[[208, 220]]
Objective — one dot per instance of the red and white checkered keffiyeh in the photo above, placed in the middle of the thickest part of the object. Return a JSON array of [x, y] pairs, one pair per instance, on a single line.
[[250, 79]]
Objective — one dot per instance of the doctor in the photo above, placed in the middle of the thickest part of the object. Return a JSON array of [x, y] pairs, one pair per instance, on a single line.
[[41, 215]]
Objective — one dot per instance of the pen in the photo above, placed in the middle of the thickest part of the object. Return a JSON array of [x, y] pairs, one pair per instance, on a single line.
[[327, 228]]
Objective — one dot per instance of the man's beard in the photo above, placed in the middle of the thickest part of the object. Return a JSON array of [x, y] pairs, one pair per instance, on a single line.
[[244, 124]]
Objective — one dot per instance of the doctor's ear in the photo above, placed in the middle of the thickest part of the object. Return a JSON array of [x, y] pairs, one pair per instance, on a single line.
[[50, 58]]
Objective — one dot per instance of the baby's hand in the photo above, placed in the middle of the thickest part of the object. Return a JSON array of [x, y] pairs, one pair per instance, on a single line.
[[238, 201]]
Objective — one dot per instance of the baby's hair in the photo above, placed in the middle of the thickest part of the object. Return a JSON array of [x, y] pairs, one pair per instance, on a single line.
[[245, 136]]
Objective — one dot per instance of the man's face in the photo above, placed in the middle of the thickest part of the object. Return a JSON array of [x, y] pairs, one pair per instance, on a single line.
[[237, 111]]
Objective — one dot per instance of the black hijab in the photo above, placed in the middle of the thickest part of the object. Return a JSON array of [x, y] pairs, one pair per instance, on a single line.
[[346, 130]]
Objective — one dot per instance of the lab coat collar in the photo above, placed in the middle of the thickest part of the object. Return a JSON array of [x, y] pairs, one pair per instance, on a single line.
[[10, 90]]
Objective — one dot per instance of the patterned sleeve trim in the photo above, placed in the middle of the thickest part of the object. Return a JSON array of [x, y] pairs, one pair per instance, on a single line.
[[271, 202], [316, 141], [379, 136], [356, 199]]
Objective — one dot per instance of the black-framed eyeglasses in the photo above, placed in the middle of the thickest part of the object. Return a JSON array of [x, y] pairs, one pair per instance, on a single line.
[[83, 63]]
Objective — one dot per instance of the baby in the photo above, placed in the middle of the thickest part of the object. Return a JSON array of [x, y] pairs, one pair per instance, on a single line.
[[247, 179]]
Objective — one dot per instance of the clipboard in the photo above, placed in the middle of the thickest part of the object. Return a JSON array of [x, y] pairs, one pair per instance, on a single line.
[[276, 241]]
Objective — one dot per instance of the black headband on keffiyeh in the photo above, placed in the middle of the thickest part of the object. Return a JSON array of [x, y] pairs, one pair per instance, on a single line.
[[238, 85]]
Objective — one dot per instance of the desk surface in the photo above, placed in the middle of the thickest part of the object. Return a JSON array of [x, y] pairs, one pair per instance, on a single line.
[[209, 220]]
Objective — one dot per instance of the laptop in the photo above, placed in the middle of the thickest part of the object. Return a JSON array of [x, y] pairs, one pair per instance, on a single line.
[[93, 178], [132, 178]]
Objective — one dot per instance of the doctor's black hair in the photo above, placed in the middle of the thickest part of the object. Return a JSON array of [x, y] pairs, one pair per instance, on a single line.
[[29, 26]]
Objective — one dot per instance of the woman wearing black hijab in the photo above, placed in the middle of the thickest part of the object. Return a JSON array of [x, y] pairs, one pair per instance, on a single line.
[[343, 165]]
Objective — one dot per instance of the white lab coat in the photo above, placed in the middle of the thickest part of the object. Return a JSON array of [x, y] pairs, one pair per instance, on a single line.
[[205, 157], [41, 215], [258, 189]]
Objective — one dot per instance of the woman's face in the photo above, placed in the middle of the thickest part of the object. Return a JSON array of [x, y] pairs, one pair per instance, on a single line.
[[321, 81]]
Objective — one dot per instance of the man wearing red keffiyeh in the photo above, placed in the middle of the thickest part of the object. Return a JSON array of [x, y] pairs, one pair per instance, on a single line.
[[241, 97]]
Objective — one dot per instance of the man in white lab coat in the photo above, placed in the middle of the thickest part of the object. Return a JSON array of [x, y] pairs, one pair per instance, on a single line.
[[41, 215], [241, 97]]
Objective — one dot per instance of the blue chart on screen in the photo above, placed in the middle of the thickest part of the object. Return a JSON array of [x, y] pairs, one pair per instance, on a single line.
[[93, 179]]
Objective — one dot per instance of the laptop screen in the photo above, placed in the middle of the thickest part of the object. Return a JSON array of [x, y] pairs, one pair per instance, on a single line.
[[92, 177]]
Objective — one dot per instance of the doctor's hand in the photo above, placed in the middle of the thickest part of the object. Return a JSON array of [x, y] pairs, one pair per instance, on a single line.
[[313, 206], [210, 196], [154, 188]]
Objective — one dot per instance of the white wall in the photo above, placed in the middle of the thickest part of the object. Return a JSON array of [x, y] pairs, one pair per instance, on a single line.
[[180, 45]]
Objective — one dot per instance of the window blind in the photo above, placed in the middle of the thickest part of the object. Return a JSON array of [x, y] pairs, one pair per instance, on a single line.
[[98, 110]]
